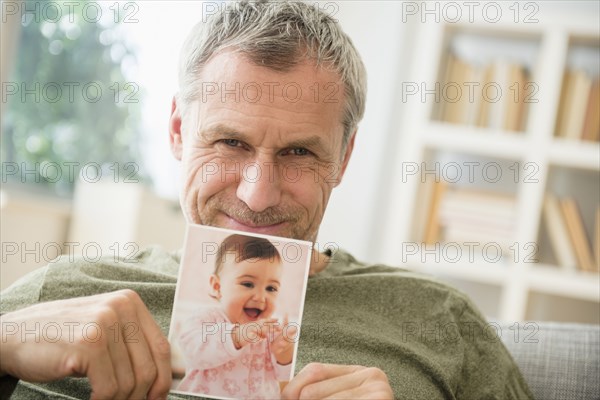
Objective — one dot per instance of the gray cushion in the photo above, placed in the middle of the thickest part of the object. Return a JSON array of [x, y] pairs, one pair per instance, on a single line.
[[558, 360]]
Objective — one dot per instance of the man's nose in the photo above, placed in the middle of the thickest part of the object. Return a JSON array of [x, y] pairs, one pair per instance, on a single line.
[[259, 186]]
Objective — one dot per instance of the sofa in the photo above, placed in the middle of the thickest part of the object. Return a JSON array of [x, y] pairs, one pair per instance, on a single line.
[[558, 360]]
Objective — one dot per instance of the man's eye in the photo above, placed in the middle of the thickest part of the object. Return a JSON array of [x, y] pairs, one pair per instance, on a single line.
[[231, 142], [298, 151], [247, 284], [271, 289]]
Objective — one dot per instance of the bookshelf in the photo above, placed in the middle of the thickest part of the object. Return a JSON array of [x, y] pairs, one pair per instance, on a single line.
[[520, 139]]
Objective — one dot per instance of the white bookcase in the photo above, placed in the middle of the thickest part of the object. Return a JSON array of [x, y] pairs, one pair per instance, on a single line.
[[514, 288]]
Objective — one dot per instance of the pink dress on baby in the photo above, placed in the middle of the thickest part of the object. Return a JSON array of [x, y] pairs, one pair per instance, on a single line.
[[215, 367]]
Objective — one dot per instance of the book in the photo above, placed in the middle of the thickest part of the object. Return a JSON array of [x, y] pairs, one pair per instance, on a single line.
[[577, 234], [460, 236], [475, 215], [560, 112], [476, 79], [583, 85], [591, 125], [576, 95], [529, 95], [447, 77], [498, 108], [423, 207], [498, 218], [491, 224], [456, 93], [432, 231], [488, 96], [597, 239], [483, 202], [515, 95], [483, 113], [557, 232]]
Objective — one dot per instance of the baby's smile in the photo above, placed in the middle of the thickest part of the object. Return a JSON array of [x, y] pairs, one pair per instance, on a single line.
[[252, 313]]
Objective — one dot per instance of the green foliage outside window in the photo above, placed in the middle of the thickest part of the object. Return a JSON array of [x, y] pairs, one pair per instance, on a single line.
[[68, 102]]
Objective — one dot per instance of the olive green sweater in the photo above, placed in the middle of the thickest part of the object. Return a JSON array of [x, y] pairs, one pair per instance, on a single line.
[[428, 337]]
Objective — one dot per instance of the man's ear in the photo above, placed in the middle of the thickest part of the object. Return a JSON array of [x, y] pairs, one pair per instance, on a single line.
[[175, 134], [215, 286], [346, 159]]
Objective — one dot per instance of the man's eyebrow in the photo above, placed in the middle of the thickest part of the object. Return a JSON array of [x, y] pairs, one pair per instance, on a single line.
[[310, 142], [221, 131]]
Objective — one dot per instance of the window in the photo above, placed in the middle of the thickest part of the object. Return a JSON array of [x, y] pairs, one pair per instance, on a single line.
[[70, 106]]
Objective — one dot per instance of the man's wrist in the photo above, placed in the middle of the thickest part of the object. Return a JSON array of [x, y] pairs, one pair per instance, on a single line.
[[7, 346], [3, 347], [8, 383]]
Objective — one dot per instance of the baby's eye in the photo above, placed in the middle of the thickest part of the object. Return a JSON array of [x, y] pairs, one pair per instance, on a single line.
[[249, 285], [271, 289]]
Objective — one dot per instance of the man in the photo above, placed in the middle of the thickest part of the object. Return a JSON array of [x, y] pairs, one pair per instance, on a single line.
[[276, 89]]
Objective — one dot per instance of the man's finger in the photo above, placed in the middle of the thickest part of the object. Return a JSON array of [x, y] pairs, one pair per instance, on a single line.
[[316, 373], [119, 356], [102, 376], [373, 385], [144, 369], [332, 386], [361, 384], [159, 350]]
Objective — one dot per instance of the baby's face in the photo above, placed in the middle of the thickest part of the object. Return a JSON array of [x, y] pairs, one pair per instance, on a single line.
[[249, 289]]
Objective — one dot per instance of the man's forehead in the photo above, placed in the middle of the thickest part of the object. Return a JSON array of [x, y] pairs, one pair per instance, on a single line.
[[230, 63], [232, 78]]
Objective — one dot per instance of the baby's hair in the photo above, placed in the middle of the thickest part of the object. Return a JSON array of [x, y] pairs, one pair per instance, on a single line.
[[245, 248]]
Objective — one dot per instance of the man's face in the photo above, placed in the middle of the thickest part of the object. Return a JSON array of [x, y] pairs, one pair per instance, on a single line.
[[247, 290], [264, 156]]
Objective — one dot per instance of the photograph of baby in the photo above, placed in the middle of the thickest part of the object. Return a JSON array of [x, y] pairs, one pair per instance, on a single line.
[[237, 312]]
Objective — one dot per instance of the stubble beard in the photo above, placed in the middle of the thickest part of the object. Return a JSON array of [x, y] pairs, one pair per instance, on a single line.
[[218, 205]]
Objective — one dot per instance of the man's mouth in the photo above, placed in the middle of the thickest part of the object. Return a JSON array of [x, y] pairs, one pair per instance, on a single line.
[[250, 226], [252, 313], [225, 212]]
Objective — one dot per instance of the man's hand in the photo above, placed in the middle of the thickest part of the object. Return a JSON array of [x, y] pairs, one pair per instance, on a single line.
[[320, 381], [111, 338]]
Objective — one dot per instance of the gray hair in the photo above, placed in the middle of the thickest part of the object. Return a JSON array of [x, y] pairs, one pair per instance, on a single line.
[[278, 35]]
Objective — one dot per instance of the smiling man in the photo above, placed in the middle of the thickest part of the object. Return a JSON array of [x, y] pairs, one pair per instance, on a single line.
[[264, 124], [257, 161]]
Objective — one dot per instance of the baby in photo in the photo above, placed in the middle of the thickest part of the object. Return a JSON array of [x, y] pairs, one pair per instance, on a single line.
[[237, 349]]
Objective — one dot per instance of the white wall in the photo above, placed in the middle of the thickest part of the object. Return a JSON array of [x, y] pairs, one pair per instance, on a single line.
[[352, 219], [33, 232]]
